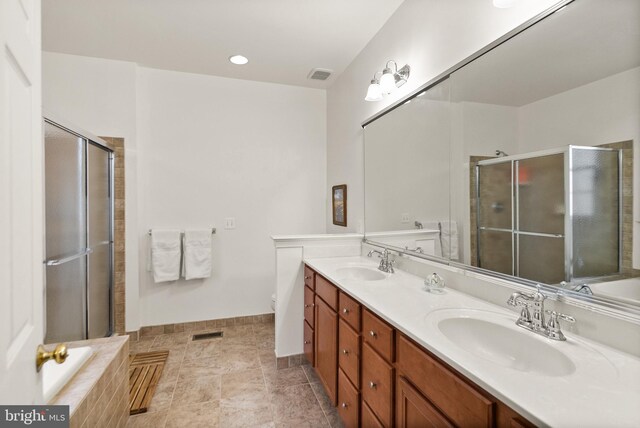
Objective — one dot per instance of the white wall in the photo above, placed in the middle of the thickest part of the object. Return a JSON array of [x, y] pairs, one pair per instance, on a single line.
[[431, 36], [211, 148], [100, 96]]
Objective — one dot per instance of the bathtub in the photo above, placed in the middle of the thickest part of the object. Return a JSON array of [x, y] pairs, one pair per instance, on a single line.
[[55, 376], [627, 290]]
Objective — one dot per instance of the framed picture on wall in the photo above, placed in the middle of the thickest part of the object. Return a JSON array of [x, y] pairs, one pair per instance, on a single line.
[[339, 197]]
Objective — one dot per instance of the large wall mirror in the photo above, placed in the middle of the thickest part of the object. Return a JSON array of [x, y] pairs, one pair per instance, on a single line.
[[540, 134]]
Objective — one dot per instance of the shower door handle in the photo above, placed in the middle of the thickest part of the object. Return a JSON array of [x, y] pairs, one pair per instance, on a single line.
[[56, 262]]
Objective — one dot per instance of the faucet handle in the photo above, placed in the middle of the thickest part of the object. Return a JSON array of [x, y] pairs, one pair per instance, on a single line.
[[553, 326], [555, 315]]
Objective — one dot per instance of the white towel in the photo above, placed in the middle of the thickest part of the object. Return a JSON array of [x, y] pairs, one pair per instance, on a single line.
[[166, 252], [197, 254]]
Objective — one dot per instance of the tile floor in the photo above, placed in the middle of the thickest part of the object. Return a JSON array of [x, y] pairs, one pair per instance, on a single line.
[[232, 382]]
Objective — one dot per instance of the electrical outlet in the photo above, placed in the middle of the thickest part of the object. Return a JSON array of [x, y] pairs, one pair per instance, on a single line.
[[405, 218], [230, 223]]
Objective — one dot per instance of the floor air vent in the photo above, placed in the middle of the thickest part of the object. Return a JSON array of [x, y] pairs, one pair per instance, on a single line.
[[203, 336], [319, 74]]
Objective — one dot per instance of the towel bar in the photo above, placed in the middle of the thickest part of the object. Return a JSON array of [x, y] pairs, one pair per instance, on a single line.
[[213, 231]]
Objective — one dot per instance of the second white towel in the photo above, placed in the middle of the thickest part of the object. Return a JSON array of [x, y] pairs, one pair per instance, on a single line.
[[197, 254]]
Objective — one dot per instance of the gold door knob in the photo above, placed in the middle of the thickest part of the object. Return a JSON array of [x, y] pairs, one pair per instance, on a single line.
[[59, 355]]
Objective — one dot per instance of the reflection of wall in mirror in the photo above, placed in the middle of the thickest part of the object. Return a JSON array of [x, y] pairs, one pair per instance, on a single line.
[[407, 166]]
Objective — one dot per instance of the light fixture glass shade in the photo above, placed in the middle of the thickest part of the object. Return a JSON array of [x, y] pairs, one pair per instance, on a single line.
[[387, 81], [374, 92], [503, 4]]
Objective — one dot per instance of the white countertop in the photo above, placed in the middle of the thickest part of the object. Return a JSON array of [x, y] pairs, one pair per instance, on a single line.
[[602, 391]]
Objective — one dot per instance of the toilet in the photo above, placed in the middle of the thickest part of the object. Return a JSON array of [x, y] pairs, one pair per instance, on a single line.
[[273, 302]]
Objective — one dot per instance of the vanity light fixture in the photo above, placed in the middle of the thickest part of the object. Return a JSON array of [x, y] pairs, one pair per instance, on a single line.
[[238, 59], [374, 92], [391, 79]]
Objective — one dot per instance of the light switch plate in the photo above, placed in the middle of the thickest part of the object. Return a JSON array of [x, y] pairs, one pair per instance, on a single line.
[[230, 223]]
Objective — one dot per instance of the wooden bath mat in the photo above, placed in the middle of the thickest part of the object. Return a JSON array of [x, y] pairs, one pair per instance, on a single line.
[[145, 370]]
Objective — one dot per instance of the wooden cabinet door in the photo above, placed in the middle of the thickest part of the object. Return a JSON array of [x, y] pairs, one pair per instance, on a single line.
[[413, 410], [326, 332]]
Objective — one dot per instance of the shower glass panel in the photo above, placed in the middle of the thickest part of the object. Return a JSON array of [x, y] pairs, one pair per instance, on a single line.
[[495, 250], [66, 301], [495, 193], [99, 298], [65, 192], [541, 258], [595, 196], [78, 230], [540, 194]]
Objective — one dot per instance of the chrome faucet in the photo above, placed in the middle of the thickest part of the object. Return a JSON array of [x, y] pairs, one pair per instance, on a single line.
[[386, 265], [536, 322]]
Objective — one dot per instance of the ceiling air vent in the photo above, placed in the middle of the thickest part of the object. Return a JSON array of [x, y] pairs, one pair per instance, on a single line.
[[319, 74]]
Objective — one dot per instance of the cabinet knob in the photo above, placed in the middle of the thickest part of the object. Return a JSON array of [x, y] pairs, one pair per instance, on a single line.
[[372, 385], [310, 305], [345, 311], [372, 333], [306, 342], [345, 352], [307, 277], [344, 405]]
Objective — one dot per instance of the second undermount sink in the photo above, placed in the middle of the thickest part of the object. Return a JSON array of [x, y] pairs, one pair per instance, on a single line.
[[360, 273], [490, 336]]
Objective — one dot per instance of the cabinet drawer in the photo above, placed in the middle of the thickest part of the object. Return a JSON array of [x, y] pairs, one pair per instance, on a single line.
[[309, 277], [378, 334], [377, 385], [348, 401], [369, 420], [308, 343], [349, 352], [308, 306], [327, 291], [350, 311], [453, 396], [413, 410]]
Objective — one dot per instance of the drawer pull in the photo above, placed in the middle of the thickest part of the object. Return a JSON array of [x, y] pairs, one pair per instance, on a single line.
[[372, 385], [345, 311], [310, 305], [345, 352], [372, 333], [306, 342], [307, 277], [344, 405]]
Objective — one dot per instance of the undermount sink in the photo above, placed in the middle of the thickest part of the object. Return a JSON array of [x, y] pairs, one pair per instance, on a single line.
[[360, 273], [489, 335]]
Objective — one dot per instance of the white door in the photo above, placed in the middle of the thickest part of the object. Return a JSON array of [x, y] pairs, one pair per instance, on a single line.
[[21, 202]]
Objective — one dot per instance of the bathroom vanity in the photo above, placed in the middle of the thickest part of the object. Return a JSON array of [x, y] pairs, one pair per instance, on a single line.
[[389, 353]]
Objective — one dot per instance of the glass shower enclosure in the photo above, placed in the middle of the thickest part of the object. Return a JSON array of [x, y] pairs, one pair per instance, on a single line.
[[551, 216], [78, 235]]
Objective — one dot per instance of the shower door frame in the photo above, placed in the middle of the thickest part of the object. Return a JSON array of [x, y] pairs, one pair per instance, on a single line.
[[52, 119]]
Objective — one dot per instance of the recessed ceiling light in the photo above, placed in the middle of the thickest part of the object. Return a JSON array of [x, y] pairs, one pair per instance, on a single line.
[[238, 59]]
